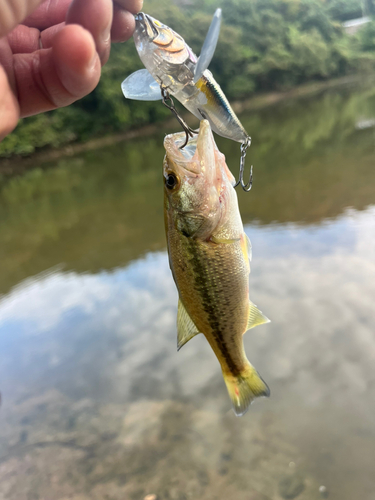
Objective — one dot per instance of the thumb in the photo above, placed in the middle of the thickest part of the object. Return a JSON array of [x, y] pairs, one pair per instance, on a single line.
[[9, 110], [12, 12]]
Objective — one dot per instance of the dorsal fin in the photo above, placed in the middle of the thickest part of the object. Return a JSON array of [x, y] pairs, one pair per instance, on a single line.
[[186, 329]]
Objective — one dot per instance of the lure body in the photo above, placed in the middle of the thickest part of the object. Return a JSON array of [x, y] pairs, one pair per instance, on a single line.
[[171, 63], [209, 257]]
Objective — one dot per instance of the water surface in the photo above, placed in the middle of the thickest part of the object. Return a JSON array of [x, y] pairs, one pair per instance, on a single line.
[[96, 402]]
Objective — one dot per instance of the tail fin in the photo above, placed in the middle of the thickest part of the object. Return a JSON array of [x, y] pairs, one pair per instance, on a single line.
[[244, 388]]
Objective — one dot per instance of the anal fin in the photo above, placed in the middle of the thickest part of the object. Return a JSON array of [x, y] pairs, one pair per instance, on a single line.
[[255, 317], [186, 328]]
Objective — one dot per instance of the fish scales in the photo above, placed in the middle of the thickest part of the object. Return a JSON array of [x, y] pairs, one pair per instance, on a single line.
[[214, 293], [208, 255]]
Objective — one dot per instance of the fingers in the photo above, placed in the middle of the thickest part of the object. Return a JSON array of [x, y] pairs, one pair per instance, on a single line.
[[84, 12], [49, 13], [38, 29], [133, 6], [76, 62], [67, 67], [23, 39], [96, 17], [47, 36], [12, 12], [9, 110], [55, 77], [123, 24], [6, 61]]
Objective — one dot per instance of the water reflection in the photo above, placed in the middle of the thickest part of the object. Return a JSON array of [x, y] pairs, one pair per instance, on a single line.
[[97, 404]]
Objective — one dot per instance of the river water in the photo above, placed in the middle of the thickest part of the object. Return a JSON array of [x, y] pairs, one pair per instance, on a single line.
[[96, 402]]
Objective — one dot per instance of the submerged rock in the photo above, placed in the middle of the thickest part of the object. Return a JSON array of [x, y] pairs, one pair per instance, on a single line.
[[89, 451], [291, 486]]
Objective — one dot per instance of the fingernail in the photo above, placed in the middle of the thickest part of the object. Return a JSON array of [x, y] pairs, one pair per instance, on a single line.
[[92, 63], [106, 34], [104, 44]]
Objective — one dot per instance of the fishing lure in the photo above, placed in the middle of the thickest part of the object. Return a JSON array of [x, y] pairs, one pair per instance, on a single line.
[[172, 69]]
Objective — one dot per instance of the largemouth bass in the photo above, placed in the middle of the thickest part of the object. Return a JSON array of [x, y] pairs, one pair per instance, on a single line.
[[209, 255]]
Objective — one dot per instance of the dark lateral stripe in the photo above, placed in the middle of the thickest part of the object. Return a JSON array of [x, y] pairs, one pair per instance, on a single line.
[[201, 286]]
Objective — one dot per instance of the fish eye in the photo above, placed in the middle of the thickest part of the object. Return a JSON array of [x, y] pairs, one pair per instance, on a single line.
[[171, 181], [154, 30], [157, 23]]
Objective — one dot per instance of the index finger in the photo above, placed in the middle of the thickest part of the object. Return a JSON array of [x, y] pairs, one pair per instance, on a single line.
[[133, 6], [49, 13], [12, 12]]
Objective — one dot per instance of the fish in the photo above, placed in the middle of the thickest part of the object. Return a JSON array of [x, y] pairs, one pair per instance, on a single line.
[[171, 64], [209, 256]]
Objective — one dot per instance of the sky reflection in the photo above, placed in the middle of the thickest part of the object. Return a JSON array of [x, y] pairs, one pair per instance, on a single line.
[[110, 338], [313, 281]]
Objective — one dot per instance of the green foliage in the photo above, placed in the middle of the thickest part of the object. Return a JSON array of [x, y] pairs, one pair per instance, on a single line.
[[343, 10], [264, 45], [367, 37]]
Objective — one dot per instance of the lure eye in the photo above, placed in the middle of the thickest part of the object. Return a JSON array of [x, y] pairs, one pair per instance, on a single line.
[[151, 24], [171, 181]]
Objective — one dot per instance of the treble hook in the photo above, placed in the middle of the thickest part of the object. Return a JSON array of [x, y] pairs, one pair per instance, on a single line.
[[244, 147], [167, 97]]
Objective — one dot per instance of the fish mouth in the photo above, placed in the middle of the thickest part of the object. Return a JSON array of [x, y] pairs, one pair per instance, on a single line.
[[197, 155], [199, 141], [200, 157]]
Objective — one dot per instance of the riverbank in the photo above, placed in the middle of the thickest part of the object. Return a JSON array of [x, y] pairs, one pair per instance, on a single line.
[[17, 165]]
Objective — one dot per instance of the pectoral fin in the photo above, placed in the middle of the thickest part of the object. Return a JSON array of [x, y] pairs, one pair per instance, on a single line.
[[256, 317], [249, 247], [186, 329], [141, 86], [246, 248], [225, 241]]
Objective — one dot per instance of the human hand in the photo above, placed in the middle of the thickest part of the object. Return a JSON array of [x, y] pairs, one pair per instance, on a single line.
[[51, 51]]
